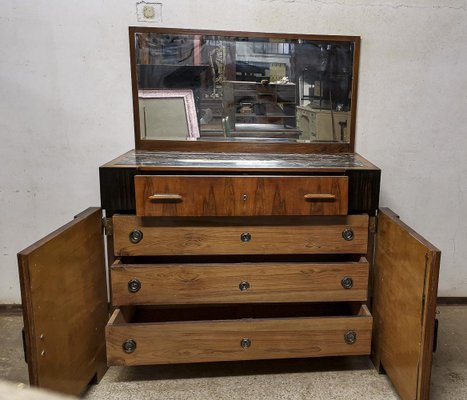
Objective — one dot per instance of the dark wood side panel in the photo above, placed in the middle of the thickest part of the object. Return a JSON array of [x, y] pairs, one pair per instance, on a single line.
[[65, 307], [406, 273], [117, 187], [364, 187]]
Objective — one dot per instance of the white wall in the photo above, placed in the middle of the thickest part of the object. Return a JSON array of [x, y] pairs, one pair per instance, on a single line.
[[65, 106]]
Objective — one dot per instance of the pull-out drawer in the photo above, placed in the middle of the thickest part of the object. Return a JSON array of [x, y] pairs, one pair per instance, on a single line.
[[170, 336], [209, 196], [263, 282], [135, 236]]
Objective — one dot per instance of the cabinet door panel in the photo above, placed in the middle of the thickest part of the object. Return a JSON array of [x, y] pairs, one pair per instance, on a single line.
[[406, 273], [65, 307]]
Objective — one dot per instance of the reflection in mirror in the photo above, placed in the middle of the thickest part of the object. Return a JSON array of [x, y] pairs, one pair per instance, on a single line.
[[167, 114], [245, 88]]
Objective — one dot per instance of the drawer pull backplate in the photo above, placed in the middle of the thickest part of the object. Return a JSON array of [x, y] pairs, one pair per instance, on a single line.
[[129, 346], [347, 282], [245, 237], [350, 337], [136, 236], [134, 285], [348, 234]]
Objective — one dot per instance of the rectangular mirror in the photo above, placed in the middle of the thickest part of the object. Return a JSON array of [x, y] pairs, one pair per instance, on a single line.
[[248, 87]]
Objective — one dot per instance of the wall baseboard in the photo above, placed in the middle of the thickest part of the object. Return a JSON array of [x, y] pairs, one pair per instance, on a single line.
[[452, 300], [11, 309]]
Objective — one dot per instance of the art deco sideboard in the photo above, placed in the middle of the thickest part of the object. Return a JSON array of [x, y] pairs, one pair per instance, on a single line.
[[227, 250]]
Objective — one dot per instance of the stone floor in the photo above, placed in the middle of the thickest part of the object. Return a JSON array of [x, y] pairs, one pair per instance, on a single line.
[[332, 378]]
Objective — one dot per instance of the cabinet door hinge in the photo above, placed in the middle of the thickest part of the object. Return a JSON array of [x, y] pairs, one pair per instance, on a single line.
[[107, 224], [373, 224], [435, 336], [23, 335]]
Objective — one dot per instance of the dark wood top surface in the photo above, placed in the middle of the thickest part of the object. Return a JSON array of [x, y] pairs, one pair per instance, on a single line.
[[213, 161]]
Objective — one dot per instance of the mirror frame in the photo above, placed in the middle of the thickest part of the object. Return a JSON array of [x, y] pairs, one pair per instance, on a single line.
[[243, 146]]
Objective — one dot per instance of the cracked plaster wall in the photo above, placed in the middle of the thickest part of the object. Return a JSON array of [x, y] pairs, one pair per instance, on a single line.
[[66, 107]]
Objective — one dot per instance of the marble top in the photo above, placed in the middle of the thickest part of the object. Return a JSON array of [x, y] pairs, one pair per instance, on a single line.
[[141, 158]]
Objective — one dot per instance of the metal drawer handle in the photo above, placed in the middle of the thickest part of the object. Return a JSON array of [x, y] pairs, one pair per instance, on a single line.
[[320, 196], [166, 197], [245, 343], [129, 346], [244, 285], [348, 234], [245, 237], [350, 337], [134, 285], [347, 282], [136, 236]]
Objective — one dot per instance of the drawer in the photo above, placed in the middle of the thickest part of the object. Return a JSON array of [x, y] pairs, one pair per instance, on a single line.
[[196, 196], [136, 236], [170, 336], [263, 282]]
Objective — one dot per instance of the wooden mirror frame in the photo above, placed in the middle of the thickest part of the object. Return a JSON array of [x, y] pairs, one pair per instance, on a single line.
[[243, 147]]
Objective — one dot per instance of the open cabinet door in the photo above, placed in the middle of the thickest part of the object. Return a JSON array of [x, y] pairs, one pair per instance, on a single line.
[[405, 286], [65, 307]]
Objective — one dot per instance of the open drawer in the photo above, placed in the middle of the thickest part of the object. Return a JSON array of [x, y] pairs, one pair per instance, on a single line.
[[142, 336], [137, 283], [147, 236]]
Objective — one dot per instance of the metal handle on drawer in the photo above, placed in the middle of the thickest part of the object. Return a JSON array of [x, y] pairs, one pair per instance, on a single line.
[[320, 196], [347, 282], [350, 337], [129, 346], [166, 196], [245, 237], [136, 236], [245, 343], [134, 285]]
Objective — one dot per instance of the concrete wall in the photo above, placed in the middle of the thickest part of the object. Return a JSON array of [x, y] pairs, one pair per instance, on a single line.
[[65, 106]]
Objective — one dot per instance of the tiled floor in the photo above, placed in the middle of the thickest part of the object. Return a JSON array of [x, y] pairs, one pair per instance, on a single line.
[[332, 378]]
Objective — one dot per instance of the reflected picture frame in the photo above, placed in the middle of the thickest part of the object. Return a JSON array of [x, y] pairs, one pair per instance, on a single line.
[[155, 99]]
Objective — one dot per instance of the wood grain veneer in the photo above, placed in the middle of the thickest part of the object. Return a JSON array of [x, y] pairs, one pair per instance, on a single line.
[[240, 196]]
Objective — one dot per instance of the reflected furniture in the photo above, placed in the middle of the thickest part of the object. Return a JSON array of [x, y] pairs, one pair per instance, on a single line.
[[323, 125]]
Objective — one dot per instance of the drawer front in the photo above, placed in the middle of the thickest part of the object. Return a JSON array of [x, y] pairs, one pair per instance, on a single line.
[[242, 339], [135, 236], [195, 196], [136, 284]]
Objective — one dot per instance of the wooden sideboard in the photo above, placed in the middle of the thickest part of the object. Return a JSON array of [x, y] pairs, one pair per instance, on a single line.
[[230, 256]]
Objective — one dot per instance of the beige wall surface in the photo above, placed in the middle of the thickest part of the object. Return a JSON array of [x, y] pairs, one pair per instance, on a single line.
[[65, 106]]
